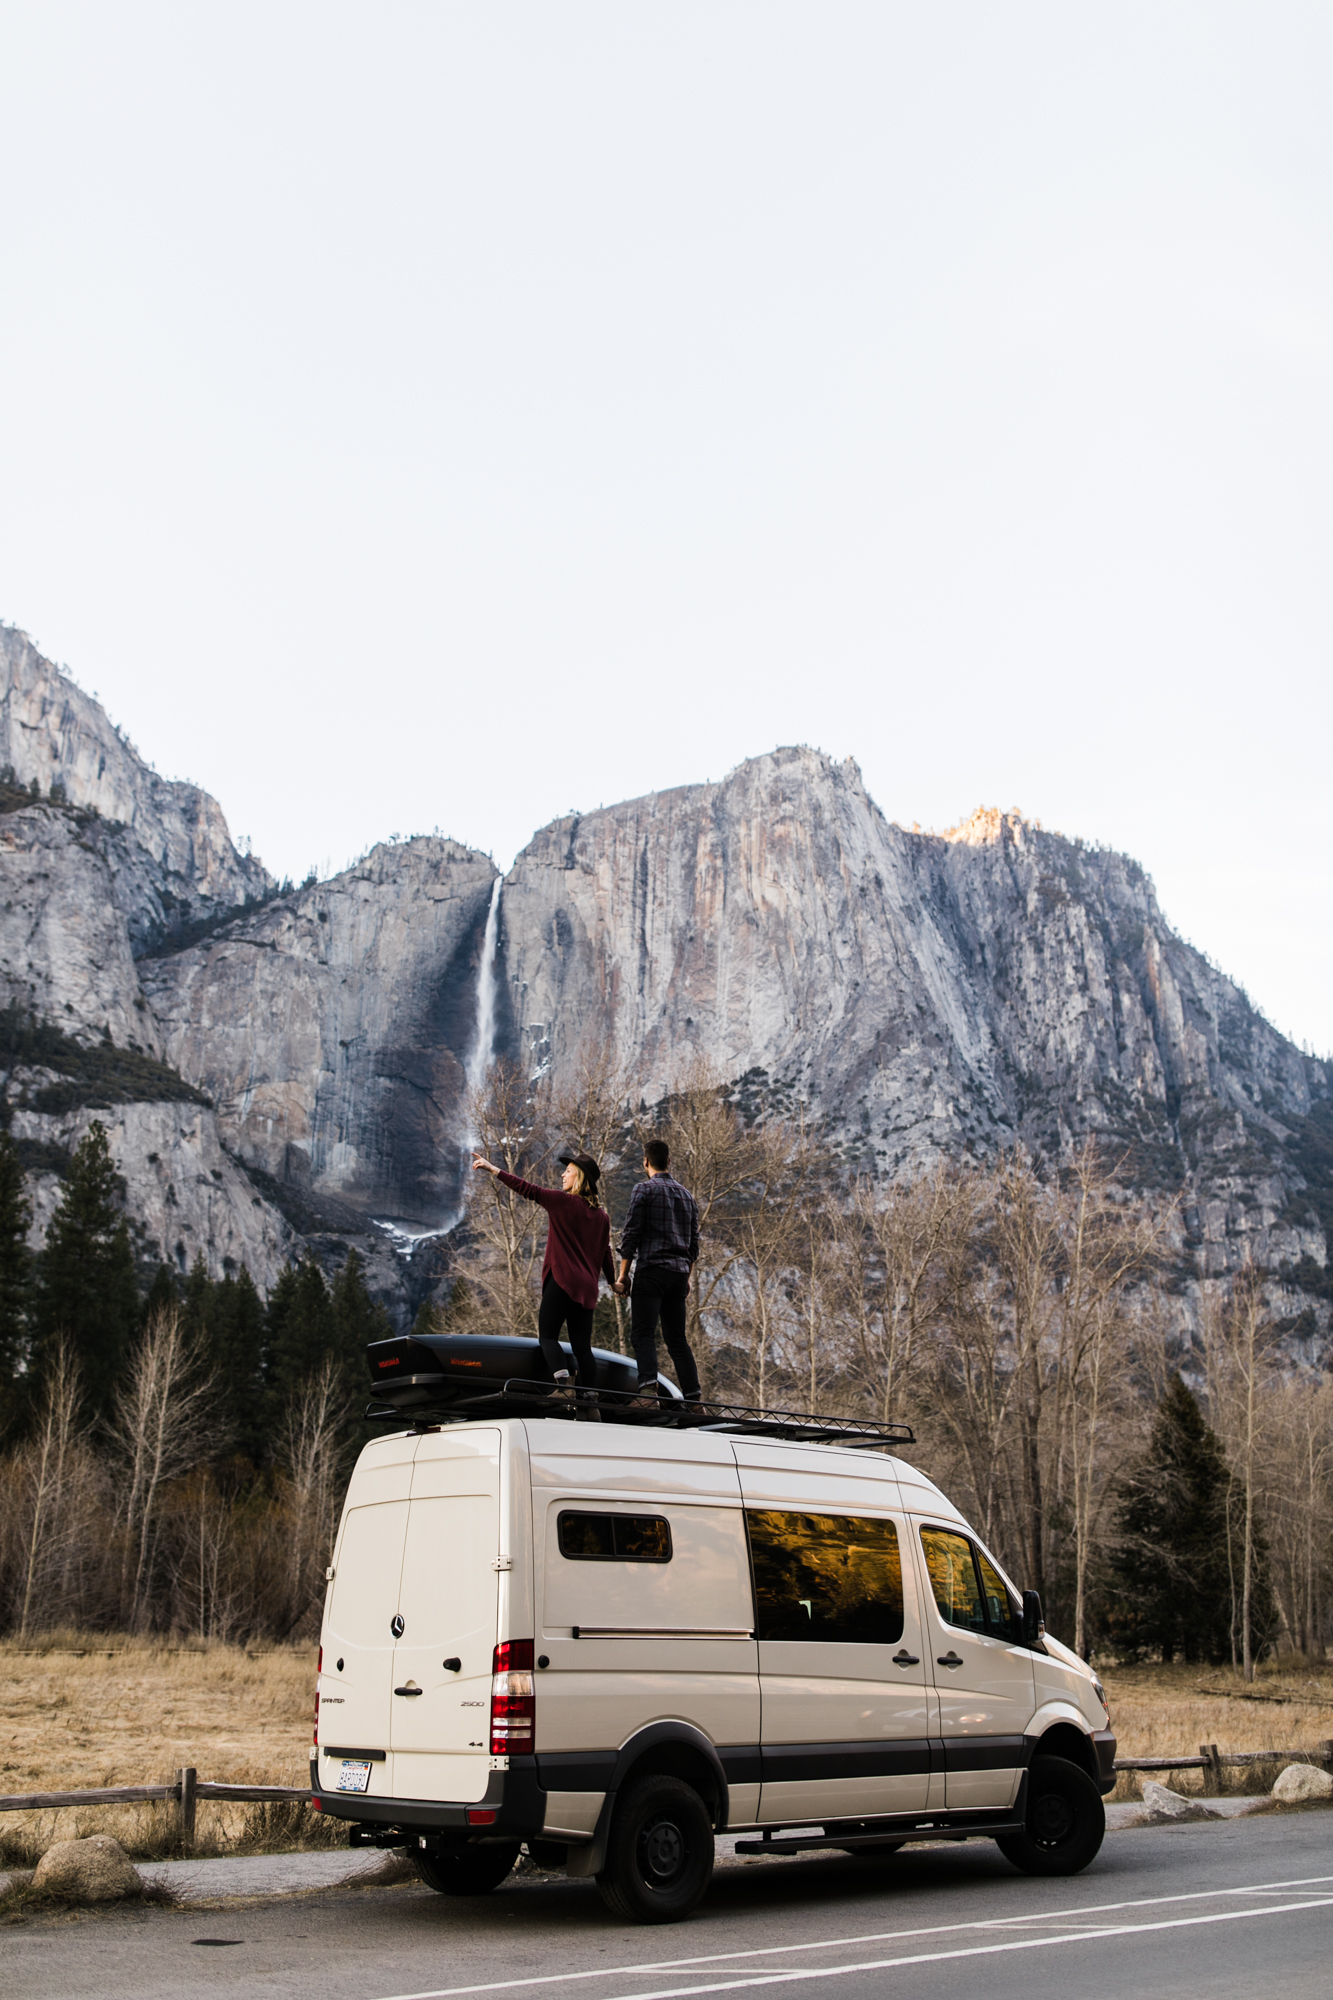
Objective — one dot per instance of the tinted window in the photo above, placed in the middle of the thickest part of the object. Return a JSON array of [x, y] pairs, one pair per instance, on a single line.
[[644, 1538], [826, 1576], [953, 1579], [1002, 1614]]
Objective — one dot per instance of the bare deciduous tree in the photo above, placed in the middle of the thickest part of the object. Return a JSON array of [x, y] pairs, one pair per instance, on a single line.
[[57, 1492], [158, 1425], [312, 1459]]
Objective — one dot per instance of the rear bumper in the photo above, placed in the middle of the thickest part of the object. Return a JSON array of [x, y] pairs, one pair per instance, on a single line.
[[513, 1796], [1103, 1742]]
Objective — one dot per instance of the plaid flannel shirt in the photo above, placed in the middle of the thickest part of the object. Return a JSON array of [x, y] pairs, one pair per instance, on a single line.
[[662, 1226]]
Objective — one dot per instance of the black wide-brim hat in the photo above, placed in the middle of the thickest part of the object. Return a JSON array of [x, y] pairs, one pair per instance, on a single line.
[[591, 1172]]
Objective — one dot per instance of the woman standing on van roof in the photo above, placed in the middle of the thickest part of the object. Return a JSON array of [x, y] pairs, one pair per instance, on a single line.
[[578, 1251]]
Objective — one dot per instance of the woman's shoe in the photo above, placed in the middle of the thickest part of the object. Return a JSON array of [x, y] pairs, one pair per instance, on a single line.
[[563, 1388], [587, 1410]]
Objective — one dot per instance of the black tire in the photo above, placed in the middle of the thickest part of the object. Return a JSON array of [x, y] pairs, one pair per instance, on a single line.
[[1066, 1821], [466, 1871], [660, 1853]]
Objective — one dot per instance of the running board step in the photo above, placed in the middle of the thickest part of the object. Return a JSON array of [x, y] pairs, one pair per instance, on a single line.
[[939, 1828]]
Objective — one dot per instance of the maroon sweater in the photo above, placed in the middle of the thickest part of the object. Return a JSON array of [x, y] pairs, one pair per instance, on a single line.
[[578, 1243]]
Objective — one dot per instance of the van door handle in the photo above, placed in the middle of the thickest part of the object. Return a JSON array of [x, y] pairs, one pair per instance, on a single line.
[[950, 1659], [412, 1691], [906, 1659]]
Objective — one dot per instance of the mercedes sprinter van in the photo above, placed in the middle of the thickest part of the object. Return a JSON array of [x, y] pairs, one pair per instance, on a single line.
[[610, 1642]]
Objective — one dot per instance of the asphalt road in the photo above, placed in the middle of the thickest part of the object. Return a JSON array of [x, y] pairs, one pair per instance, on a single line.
[[1216, 1910]]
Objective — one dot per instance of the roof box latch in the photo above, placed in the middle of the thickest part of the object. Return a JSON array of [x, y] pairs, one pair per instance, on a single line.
[[503, 1562]]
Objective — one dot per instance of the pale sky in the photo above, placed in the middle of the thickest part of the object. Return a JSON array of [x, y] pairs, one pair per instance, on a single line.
[[442, 415]]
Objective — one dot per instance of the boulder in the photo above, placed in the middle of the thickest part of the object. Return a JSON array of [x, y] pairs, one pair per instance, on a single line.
[[1163, 1803], [96, 1870], [1302, 1781]]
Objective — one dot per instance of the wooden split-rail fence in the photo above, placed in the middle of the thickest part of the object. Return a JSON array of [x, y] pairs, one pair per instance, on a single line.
[[189, 1787], [186, 1793]]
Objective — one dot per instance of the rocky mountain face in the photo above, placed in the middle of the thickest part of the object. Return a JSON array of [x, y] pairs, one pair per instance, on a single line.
[[169, 855], [332, 1029], [101, 860], [919, 993]]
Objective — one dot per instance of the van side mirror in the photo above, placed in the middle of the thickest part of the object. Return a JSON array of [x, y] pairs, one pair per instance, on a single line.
[[1034, 1625]]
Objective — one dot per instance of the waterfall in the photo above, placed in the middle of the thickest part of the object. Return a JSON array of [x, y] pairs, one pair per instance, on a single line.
[[406, 1238], [483, 1039]]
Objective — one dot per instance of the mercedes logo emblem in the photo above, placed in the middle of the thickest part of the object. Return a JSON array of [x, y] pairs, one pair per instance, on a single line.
[[397, 1625]]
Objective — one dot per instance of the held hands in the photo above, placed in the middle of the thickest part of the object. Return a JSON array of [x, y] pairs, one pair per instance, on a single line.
[[621, 1288]]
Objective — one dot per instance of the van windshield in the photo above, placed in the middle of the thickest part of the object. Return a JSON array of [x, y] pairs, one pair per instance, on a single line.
[[831, 1577]]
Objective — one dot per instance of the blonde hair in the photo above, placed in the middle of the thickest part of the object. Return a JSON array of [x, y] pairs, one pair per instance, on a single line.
[[589, 1193]]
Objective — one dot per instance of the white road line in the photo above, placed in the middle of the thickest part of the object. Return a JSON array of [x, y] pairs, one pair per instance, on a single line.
[[750, 1979], [709, 1958]]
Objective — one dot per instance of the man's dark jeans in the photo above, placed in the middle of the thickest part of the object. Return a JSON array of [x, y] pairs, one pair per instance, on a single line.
[[661, 1294]]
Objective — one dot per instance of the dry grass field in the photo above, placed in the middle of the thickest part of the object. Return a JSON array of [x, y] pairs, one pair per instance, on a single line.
[[77, 1712], [1161, 1711]]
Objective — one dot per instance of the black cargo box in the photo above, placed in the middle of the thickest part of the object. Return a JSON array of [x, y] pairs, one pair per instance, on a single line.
[[417, 1371]]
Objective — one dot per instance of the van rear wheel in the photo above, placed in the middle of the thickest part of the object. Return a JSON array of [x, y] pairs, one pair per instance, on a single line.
[[464, 1870], [1066, 1821], [660, 1853]]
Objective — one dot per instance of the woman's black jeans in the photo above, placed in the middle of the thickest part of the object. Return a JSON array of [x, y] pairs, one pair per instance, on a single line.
[[557, 1309]]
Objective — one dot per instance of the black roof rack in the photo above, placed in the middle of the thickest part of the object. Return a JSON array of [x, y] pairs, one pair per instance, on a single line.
[[514, 1396]]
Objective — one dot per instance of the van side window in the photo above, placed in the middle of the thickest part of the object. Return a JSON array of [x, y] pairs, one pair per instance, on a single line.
[[639, 1538], [953, 1579], [829, 1577], [1002, 1614]]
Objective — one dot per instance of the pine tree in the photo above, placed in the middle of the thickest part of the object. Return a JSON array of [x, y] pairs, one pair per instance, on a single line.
[[300, 1331], [1172, 1575], [235, 1348], [357, 1321], [163, 1294], [197, 1300], [86, 1287], [15, 1274]]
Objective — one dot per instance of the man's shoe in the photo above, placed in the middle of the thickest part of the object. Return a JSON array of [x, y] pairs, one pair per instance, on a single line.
[[587, 1410]]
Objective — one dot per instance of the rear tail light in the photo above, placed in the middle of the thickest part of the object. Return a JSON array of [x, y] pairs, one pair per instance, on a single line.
[[319, 1668], [513, 1701]]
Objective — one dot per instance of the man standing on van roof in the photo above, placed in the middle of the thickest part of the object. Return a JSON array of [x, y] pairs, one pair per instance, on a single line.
[[661, 1240]]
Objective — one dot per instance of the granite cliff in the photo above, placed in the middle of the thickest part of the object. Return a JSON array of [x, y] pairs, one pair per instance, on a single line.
[[170, 858], [920, 993]]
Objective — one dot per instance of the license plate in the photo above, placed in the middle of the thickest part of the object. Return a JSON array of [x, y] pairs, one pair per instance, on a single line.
[[354, 1777]]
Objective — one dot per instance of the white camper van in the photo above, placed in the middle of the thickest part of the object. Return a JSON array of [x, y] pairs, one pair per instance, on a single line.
[[610, 1642]]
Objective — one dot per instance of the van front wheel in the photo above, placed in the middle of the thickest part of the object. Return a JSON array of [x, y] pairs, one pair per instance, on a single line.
[[464, 1870], [660, 1854], [1066, 1821]]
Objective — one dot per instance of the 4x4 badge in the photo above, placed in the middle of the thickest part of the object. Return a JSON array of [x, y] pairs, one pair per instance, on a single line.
[[397, 1625]]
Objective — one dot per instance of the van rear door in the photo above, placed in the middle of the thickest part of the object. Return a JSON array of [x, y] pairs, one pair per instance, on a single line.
[[448, 1605], [354, 1687]]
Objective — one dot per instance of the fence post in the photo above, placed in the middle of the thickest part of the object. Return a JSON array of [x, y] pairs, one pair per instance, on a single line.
[[1209, 1750], [187, 1783]]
